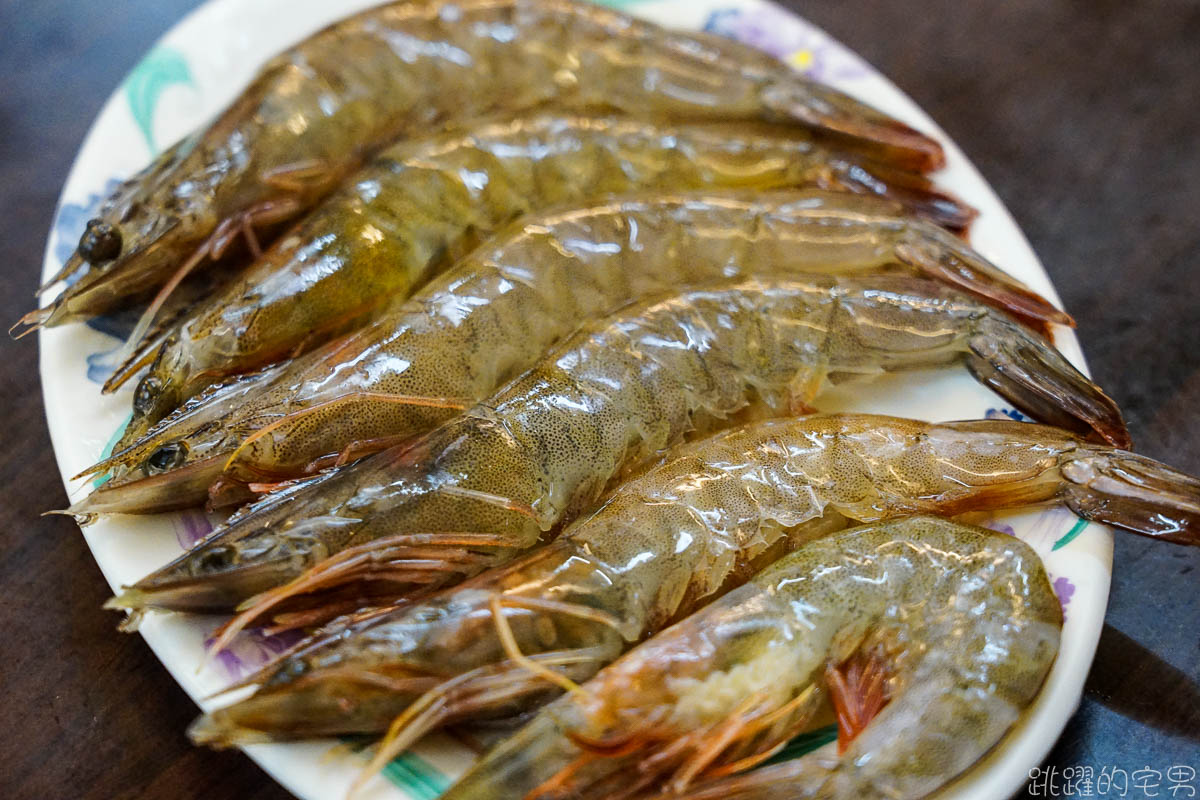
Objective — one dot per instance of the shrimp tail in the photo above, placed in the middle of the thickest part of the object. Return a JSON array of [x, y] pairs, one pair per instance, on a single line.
[[944, 257], [835, 113], [1133, 492], [840, 115], [912, 190], [1026, 370]]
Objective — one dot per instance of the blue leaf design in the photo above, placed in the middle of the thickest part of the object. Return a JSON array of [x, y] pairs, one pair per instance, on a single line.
[[161, 68], [1006, 413], [119, 324]]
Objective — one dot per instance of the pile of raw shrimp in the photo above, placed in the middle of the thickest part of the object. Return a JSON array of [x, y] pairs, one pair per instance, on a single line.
[[504, 326]]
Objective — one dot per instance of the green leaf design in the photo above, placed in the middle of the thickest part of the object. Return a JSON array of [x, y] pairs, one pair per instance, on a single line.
[[805, 743], [408, 771], [423, 781], [103, 478], [416, 776], [161, 68], [1070, 535]]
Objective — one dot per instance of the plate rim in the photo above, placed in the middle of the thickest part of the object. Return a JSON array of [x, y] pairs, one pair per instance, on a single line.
[[997, 214]]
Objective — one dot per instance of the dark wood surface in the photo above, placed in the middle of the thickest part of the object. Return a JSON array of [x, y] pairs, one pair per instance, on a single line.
[[1083, 115]]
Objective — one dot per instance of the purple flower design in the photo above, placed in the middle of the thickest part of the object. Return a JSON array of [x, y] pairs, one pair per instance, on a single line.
[[1065, 591], [250, 650], [997, 526], [191, 527], [787, 38], [1041, 532]]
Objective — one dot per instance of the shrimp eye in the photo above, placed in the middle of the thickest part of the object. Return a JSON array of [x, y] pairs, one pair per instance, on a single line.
[[146, 393], [101, 241], [165, 457]]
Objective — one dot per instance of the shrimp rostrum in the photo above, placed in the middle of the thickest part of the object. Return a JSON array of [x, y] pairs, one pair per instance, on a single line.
[[612, 397], [316, 111], [663, 543], [421, 204], [496, 313], [927, 637]]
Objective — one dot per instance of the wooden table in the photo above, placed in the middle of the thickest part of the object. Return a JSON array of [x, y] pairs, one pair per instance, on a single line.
[[1082, 115]]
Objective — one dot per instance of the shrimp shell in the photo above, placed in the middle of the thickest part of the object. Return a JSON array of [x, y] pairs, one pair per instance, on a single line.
[[611, 398], [315, 112], [420, 204], [957, 627], [496, 313], [663, 543]]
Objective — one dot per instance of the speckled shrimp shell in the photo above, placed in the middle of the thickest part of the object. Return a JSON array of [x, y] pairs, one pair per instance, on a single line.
[[315, 112], [421, 204], [495, 314], [662, 544], [545, 446], [929, 631]]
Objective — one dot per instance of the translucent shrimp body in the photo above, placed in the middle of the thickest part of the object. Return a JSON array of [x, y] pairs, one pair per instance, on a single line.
[[422, 204], [664, 542], [957, 628], [315, 112], [613, 397], [497, 312]]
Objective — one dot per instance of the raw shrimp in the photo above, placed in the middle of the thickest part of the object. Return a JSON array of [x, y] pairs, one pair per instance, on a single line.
[[496, 313], [315, 112], [928, 636], [420, 205], [662, 543], [610, 399]]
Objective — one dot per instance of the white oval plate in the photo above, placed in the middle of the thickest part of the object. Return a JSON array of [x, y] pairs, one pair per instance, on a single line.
[[199, 66]]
